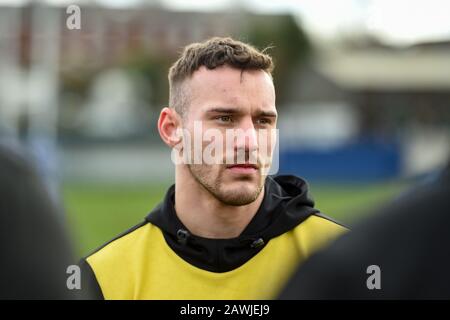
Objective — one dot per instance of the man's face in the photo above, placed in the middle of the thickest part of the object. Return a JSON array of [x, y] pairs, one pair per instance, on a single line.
[[240, 106]]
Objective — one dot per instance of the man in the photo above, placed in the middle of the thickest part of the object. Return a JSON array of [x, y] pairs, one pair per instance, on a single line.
[[400, 253], [225, 230], [34, 248]]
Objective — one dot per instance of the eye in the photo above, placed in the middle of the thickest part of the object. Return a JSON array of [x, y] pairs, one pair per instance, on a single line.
[[264, 121], [225, 118]]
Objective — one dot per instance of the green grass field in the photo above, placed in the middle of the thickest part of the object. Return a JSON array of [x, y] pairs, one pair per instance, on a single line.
[[97, 213]]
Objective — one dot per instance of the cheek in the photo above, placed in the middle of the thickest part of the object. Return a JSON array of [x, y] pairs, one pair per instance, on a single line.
[[266, 143], [212, 170]]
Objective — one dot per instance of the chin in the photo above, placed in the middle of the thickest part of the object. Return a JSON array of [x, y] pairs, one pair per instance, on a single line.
[[241, 192], [243, 185]]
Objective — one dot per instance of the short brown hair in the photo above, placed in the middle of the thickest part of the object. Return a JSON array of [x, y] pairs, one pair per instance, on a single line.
[[212, 53]]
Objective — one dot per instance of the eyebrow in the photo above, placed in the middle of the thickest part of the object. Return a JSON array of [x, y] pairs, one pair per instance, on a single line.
[[227, 110], [269, 114], [230, 110]]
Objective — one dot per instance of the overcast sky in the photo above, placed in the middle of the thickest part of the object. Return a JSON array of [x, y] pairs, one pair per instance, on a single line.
[[396, 21]]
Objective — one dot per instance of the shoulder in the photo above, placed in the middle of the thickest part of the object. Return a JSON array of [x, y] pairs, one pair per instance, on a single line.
[[111, 269], [317, 231], [123, 246]]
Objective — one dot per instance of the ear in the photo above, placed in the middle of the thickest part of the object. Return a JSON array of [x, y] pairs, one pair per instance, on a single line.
[[168, 123]]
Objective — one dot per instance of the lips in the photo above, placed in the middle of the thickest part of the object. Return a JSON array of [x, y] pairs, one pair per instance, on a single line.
[[243, 168]]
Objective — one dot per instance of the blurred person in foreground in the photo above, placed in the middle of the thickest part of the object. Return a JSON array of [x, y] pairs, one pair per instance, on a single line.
[[225, 229], [34, 248], [408, 243]]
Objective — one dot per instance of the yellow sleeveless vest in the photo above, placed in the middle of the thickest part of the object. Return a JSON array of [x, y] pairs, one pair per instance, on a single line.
[[140, 265]]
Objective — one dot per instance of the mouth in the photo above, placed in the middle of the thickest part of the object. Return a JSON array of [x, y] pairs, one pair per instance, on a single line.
[[243, 168]]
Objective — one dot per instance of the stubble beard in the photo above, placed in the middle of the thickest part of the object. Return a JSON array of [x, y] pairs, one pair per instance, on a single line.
[[214, 186]]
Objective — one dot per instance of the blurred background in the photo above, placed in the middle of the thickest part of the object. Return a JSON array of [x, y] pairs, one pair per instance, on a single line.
[[363, 93]]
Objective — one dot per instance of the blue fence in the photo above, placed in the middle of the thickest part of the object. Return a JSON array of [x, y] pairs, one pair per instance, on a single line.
[[362, 161]]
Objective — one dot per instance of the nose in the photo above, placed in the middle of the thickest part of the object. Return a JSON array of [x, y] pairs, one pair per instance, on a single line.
[[246, 137]]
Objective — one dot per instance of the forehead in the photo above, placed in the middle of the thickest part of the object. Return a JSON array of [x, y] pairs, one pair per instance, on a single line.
[[230, 86]]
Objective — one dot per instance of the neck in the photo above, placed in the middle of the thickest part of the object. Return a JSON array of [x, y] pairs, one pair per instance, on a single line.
[[204, 215]]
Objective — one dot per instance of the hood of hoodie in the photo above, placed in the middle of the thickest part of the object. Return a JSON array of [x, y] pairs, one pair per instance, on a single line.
[[286, 204]]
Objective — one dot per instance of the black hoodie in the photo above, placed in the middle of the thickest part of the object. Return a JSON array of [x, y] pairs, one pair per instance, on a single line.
[[286, 204]]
